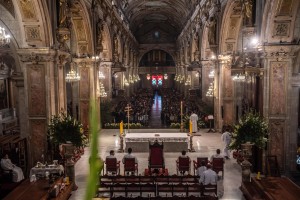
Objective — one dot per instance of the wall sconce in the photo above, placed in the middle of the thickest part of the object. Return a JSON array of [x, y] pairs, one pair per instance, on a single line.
[[148, 77], [126, 83]]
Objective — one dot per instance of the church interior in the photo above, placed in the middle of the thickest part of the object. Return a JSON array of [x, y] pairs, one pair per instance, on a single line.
[[168, 75]]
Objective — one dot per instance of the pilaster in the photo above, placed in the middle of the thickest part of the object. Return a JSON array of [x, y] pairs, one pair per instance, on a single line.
[[279, 95]]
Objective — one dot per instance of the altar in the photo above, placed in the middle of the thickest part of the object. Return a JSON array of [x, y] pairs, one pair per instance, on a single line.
[[173, 142]]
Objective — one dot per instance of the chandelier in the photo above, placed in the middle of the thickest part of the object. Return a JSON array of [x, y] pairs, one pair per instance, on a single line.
[[210, 91], [4, 39], [101, 75], [165, 76], [102, 90], [72, 76]]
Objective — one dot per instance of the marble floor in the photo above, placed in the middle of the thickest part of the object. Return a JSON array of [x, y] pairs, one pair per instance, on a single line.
[[205, 145]]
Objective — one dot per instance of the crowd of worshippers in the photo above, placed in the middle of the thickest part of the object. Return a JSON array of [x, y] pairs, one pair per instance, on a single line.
[[171, 104], [140, 103]]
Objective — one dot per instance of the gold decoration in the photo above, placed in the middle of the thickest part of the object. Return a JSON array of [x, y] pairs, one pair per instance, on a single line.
[[28, 10], [32, 33]]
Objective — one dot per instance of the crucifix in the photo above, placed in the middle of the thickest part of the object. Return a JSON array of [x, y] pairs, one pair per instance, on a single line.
[[128, 109]]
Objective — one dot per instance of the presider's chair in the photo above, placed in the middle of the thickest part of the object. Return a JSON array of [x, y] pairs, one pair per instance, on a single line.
[[156, 157]]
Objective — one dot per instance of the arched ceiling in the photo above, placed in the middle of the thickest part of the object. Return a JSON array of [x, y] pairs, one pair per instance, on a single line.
[[165, 17]]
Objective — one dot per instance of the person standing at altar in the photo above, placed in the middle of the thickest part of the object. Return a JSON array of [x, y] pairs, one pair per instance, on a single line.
[[7, 165], [129, 155], [226, 138], [194, 119]]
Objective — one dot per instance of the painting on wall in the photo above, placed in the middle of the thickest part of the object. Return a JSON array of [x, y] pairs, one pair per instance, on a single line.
[[3, 94]]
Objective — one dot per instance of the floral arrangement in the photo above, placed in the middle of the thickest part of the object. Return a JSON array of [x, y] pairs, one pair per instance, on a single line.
[[251, 128], [63, 128], [117, 125], [175, 125]]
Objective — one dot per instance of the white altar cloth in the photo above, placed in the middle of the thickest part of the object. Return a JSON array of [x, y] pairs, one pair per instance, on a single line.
[[173, 142]]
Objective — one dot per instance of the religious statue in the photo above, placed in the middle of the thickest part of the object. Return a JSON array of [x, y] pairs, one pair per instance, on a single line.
[[116, 45], [212, 25], [99, 36], [63, 7], [247, 8], [196, 41]]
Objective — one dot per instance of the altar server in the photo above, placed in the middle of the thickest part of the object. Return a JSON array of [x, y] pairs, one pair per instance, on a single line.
[[194, 119]]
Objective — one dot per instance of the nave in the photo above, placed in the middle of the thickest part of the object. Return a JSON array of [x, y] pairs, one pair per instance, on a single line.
[[205, 145]]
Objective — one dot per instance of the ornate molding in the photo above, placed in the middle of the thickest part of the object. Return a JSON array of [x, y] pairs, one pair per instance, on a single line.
[[280, 52], [36, 56]]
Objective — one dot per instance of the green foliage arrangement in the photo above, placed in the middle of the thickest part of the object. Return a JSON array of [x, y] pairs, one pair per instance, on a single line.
[[63, 128], [175, 125], [117, 125], [251, 128]]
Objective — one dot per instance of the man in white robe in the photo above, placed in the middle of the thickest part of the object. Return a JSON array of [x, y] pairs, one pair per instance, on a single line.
[[194, 119], [226, 138], [7, 165]]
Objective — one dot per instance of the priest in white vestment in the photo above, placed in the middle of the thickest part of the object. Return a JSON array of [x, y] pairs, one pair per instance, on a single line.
[[7, 165], [194, 119]]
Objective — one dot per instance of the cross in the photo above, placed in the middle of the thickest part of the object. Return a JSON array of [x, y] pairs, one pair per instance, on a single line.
[[128, 109]]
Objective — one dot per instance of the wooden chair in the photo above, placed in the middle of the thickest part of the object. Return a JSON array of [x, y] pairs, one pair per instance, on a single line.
[[272, 166], [197, 163], [112, 165], [183, 165], [130, 165], [156, 156], [218, 165]]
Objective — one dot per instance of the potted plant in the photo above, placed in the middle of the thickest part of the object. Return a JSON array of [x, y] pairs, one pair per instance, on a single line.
[[64, 129], [252, 129]]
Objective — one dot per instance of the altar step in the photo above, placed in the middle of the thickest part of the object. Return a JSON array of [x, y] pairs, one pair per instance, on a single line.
[[295, 177]]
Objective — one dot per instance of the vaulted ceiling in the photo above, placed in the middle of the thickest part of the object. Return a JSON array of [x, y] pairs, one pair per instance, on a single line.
[[157, 21]]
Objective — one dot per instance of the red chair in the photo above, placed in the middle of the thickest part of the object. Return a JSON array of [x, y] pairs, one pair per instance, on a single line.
[[183, 165], [156, 156], [218, 165], [197, 163], [112, 165], [130, 165]]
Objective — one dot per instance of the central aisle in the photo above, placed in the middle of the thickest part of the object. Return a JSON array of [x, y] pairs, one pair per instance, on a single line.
[[155, 120]]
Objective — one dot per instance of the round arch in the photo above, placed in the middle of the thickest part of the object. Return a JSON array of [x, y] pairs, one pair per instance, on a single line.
[[143, 56]]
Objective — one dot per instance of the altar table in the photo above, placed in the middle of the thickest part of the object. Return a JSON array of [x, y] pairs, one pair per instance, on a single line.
[[173, 142], [52, 169]]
